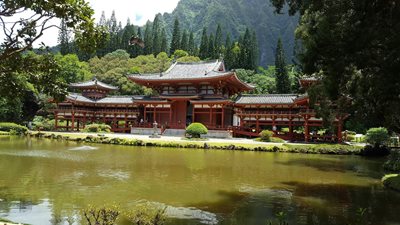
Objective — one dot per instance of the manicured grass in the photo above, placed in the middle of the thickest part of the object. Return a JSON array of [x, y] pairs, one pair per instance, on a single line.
[[4, 133], [392, 181], [182, 143]]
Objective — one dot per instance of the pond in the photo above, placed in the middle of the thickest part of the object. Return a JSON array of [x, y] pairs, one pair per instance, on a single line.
[[46, 181]]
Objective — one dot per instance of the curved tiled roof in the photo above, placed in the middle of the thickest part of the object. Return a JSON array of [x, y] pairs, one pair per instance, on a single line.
[[93, 83], [107, 100], [181, 71], [266, 99]]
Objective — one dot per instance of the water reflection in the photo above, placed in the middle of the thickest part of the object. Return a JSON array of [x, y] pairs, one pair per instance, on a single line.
[[43, 182]]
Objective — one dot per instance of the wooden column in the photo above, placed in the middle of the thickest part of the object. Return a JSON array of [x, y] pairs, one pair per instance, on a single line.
[[291, 128], [73, 121], [67, 124], [193, 113], [144, 114], [257, 123], [223, 117], [154, 113], [56, 120], [210, 114], [84, 120], [170, 114]]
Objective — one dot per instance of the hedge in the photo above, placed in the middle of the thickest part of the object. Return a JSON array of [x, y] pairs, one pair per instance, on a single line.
[[13, 128], [97, 128]]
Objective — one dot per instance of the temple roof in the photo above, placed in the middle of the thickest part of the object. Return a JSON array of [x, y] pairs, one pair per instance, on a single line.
[[182, 71], [266, 99], [107, 100], [93, 83]]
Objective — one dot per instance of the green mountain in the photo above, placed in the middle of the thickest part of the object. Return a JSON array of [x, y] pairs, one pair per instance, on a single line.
[[234, 16]]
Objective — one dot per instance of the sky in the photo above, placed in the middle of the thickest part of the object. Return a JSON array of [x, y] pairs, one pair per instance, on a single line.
[[138, 11]]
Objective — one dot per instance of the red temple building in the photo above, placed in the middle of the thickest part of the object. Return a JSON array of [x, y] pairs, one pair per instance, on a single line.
[[194, 92]]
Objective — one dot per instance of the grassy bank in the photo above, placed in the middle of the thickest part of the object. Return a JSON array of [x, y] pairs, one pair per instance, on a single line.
[[269, 147]]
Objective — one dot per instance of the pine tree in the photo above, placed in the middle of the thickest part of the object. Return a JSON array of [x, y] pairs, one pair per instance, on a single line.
[[211, 47], [281, 73], [157, 36], [137, 50], [228, 54], [176, 36], [254, 51], [218, 42], [191, 45], [164, 44], [148, 39], [203, 52], [127, 33], [64, 39], [185, 41]]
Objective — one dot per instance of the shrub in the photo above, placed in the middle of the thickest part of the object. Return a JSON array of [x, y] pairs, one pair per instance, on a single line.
[[145, 214], [266, 135], [195, 130], [277, 140], [41, 123], [392, 181], [97, 128], [13, 128], [103, 215], [393, 163], [377, 136]]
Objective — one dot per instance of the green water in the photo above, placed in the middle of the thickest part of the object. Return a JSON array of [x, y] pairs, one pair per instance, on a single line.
[[45, 181]]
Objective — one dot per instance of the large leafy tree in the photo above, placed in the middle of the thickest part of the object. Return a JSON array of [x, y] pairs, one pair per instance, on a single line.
[[23, 23], [354, 46]]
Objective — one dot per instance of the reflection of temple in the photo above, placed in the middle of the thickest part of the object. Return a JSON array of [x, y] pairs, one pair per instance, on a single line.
[[194, 92]]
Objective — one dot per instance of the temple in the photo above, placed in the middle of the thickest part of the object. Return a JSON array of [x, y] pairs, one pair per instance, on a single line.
[[195, 92]]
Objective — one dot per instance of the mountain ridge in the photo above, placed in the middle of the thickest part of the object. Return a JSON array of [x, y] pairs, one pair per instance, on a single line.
[[235, 16]]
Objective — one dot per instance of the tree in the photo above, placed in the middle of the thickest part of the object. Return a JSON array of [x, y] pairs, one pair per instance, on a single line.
[[176, 36], [377, 136], [281, 73], [184, 41], [157, 35], [354, 46], [164, 44], [204, 45], [148, 39], [211, 47], [64, 38], [218, 41], [192, 45]]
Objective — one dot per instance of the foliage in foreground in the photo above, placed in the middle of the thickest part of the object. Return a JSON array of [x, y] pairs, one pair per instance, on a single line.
[[97, 128], [13, 128], [393, 163], [377, 136], [143, 214], [392, 181], [195, 130], [102, 215], [147, 215]]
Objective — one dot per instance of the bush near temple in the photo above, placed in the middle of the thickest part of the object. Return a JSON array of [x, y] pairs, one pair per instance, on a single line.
[[266, 135], [13, 128], [377, 136], [195, 130], [97, 128]]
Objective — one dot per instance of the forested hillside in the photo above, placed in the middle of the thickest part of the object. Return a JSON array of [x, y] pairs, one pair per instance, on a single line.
[[235, 16]]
